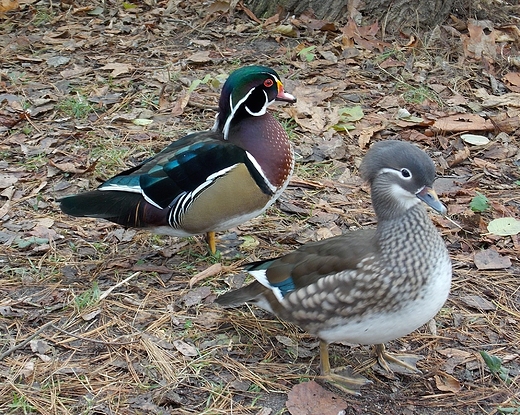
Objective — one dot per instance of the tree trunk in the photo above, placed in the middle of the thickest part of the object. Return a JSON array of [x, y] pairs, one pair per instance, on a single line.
[[392, 15]]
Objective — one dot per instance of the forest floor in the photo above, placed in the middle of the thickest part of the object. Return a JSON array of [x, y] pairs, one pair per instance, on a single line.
[[97, 319]]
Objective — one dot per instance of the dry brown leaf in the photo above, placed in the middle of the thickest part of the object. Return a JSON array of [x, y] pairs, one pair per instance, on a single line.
[[480, 41], [180, 104], [512, 81], [511, 99], [462, 122], [200, 57], [490, 259], [452, 352], [44, 232], [483, 164], [7, 180], [478, 303], [92, 315], [195, 296], [459, 157], [271, 20], [7, 5], [249, 13], [208, 272], [185, 349], [447, 383], [218, 6], [315, 24], [117, 68], [309, 398], [76, 71], [69, 167]]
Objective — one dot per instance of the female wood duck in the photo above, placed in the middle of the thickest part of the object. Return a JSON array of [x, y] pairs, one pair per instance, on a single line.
[[367, 286], [207, 181]]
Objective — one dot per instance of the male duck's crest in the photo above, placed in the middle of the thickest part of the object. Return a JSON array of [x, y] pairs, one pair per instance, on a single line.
[[206, 181]]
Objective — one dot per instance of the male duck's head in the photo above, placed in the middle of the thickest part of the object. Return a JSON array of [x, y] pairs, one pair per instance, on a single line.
[[247, 93]]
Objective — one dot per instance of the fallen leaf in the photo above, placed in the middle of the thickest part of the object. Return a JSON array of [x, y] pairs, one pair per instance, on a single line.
[[459, 157], [196, 295], [483, 164], [462, 122], [208, 272], [43, 233], [480, 41], [309, 398], [504, 226], [200, 57], [180, 104], [117, 68], [490, 259], [142, 122], [475, 139], [218, 6], [185, 349], [8, 311], [91, 316], [286, 341], [452, 352], [58, 60], [512, 81], [39, 346], [69, 167], [7, 180], [478, 303], [511, 99], [286, 30], [7, 5], [447, 383]]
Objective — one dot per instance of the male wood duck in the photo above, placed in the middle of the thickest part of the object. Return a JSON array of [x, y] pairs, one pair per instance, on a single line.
[[368, 286], [206, 181]]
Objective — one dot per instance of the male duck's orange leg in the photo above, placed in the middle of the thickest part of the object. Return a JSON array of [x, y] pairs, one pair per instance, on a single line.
[[210, 239]]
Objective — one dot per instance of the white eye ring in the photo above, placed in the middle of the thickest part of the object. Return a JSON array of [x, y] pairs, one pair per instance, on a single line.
[[406, 174]]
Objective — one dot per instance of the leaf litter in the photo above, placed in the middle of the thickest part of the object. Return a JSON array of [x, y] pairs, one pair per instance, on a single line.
[[92, 90]]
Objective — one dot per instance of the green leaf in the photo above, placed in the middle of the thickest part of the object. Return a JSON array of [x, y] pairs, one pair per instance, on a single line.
[[492, 362], [351, 114], [141, 121], [509, 410], [249, 241], [504, 226], [306, 53], [24, 243], [495, 366], [479, 203], [96, 11]]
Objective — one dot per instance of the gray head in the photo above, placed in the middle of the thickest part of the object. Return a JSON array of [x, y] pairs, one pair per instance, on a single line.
[[400, 176]]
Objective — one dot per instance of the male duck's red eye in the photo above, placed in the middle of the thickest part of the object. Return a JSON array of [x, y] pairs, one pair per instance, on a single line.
[[268, 83]]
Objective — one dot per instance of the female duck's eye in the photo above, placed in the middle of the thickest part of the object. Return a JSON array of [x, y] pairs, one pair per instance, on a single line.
[[406, 173], [268, 83]]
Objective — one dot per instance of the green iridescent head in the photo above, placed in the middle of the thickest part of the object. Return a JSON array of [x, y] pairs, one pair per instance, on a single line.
[[248, 92]]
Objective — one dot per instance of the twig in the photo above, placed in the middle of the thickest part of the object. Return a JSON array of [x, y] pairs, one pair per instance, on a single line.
[[92, 340], [26, 341], [106, 293]]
